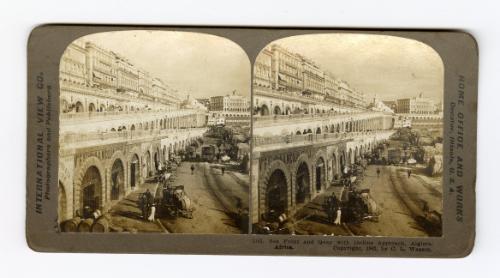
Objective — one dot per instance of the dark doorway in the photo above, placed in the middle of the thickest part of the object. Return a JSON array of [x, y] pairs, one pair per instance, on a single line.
[[117, 180], [79, 107], [134, 171], [320, 173], [91, 184], [277, 110], [303, 184], [276, 193]]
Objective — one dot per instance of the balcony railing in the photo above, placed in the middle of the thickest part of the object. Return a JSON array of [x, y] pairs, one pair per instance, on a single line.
[[125, 135], [269, 120], [314, 138], [96, 115]]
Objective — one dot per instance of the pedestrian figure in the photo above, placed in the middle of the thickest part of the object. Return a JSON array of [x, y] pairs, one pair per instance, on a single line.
[[152, 212], [409, 173], [192, 169], [149, 197], [146, 201], [338, 217], [378, 172], [222, 170], [143, 204]]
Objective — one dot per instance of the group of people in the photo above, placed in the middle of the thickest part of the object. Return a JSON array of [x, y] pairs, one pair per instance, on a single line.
[[355, 205], [147, 206]]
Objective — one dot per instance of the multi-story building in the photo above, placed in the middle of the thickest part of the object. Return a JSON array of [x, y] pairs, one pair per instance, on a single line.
[[234, 108], [358, 98], [100, 66], [73, 73], [159, 89], [415, 105], [313, 80], [94, 79], [262, 77], [127, 76], [287, 83], [72, 67], [286, 70], [145, 83]]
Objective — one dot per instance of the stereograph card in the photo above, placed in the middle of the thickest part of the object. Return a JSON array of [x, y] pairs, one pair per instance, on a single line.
[[251, 141]]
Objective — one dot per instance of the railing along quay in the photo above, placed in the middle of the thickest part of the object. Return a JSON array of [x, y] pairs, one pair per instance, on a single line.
[[124, 135], [263, 120], [97, 115], [306, 138]]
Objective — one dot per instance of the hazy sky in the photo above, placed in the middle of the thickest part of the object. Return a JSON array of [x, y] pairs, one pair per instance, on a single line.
[[196, 64], [387, 66]]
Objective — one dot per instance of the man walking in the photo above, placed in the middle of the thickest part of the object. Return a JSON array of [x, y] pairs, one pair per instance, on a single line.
[[409, 173], [378, 172], [192, 169]]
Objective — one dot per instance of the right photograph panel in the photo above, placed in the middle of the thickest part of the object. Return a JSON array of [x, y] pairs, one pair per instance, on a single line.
[[347, 137]]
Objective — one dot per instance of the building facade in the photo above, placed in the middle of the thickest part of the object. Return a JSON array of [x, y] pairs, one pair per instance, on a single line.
[[94, 79], [235, 109], [415, 105], [287, 83]]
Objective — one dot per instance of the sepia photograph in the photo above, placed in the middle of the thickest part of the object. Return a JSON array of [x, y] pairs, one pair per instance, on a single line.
[[347, 137], [154, 134]]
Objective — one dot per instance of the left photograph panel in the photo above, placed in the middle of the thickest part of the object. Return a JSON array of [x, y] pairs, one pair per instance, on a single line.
[[154, 134]]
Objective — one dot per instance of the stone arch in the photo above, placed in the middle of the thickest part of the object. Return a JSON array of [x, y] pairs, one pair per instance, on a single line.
[[120, 183], [276, 189], [63, 105], [134, 168], [79, 107], [302, 183], [288, 110], [264, 110], [117, 179], [320, 170], [92, 107], [277, 110], [318, 130], [82, 181], [62, 201], [303, 158]]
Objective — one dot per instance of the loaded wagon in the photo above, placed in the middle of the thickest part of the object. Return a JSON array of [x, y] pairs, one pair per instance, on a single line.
[[174, 202]]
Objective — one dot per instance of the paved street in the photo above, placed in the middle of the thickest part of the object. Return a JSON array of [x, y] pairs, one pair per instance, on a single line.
[[214, 199], [400, 199]]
